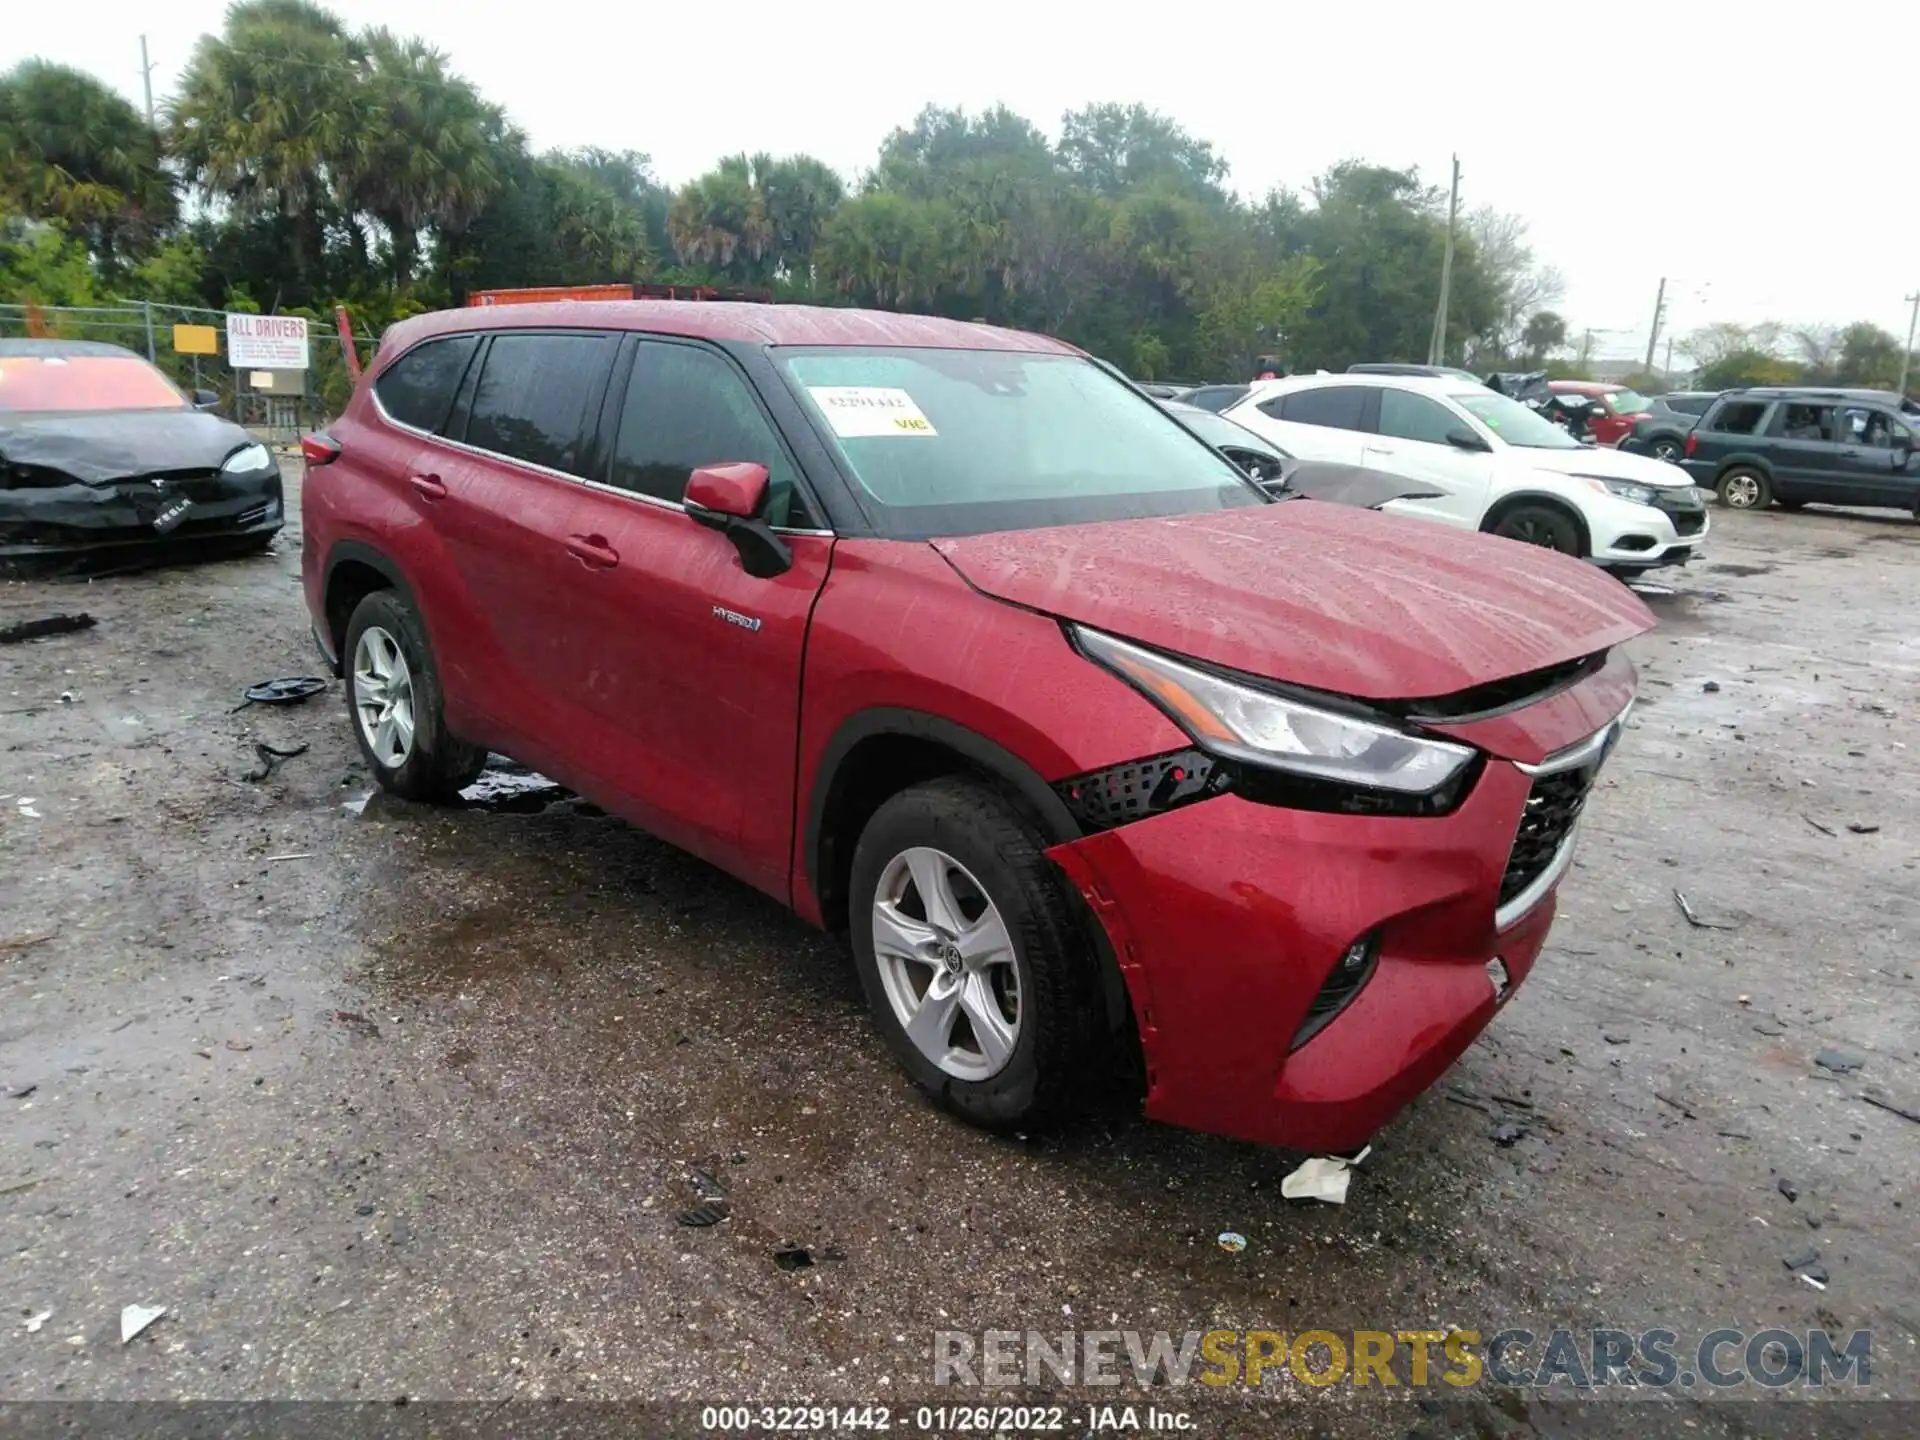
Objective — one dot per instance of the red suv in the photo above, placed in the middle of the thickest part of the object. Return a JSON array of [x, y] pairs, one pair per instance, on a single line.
[[948, 638]]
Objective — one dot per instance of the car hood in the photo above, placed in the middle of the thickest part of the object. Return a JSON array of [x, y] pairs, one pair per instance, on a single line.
[[1607, 463], [101, 447], [1347, 601]]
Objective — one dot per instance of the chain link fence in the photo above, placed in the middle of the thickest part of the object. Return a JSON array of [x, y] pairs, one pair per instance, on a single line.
[[148, 328]]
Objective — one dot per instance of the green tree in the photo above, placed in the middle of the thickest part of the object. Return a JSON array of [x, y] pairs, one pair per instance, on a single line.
[[73, 151], [1112, 149], [41, 265], [1544, 333], [1869, 357]]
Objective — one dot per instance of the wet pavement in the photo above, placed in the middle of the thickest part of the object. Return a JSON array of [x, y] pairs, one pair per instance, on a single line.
[[385, 1101]]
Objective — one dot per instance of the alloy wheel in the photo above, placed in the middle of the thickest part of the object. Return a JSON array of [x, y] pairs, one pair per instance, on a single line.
[[383, 697], [946, 963], [1742, 492]]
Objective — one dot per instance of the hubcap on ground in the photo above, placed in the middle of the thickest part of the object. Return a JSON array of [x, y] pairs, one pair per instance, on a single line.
[[1742, 491], [946, 964], [383, 696]]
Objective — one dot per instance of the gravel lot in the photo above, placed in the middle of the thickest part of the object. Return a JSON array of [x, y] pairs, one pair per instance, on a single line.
[[406, 1102]]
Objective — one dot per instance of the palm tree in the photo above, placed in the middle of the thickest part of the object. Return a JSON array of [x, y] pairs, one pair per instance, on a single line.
[[720, 220], [427, 160], [270, 114], [73, 151]]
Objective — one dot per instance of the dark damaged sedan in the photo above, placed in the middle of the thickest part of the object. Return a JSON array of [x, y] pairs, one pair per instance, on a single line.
[[101, 457]]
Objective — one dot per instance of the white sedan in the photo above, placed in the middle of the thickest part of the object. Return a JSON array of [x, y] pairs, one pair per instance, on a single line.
[[1498, 466]]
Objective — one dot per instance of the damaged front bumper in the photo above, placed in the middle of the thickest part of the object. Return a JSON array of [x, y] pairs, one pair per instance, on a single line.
[[53, 525]]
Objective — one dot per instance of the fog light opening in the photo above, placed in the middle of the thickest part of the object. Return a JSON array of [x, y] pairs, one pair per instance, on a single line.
[[1497, 973], [1348, 977]]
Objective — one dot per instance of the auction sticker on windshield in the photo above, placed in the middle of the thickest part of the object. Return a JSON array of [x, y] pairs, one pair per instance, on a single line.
[[861, 411]]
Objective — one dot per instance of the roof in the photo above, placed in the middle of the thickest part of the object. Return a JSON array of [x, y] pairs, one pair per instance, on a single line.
[[1584, 387], [62, 349], [1423, 384], [750, 324], [1814, 392]]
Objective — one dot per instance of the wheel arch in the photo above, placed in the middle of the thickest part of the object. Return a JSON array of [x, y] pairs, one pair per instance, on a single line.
[[1518, 499], [354, 571]]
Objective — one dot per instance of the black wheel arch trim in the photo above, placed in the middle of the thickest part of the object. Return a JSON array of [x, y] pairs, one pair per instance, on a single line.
[[1500, 508], [359, 552], [1056, 822]]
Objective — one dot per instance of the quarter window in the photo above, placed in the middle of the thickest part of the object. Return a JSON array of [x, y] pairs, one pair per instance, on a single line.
[[417, 389], [534, 397]]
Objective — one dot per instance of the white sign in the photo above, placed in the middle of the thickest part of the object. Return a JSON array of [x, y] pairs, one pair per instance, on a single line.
[[858, 411], [266, 342]]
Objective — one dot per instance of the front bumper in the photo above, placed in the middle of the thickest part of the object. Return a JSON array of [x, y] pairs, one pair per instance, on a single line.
[[1227, 917], [68, 523], [1632, 536]]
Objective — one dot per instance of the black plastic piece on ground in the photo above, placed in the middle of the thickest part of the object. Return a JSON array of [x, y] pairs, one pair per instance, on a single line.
[[49, 625], [290, 690]]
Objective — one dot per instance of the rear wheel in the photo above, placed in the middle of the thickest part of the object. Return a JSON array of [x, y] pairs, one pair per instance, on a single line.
[[976, 969], [1744, 488], [1541, 525], [1668, 448], [393, 695]]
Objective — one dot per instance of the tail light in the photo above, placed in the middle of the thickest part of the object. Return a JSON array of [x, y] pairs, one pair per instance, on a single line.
[[1692, 441], [320, 449]]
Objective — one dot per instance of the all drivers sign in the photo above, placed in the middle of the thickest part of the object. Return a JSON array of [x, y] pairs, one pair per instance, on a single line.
[[266, 342]]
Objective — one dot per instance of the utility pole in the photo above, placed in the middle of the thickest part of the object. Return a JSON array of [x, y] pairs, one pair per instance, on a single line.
[[1659, 308], [1437, 347], [146, 79], [1906, 355], [1667, 373], [1586, 347]]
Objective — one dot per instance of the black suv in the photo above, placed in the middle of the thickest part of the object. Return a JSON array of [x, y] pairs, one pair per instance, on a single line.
[[1789, 446], [1661, 429]]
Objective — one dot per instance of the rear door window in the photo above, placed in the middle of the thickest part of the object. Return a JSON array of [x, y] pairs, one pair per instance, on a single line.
[[538, 396], [1414, 417], [1337, 407], [1739, 417], [1802, 420], [417, 389]]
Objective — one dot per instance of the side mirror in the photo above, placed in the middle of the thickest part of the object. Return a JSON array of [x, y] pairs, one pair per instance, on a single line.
[[730, 498], [205, 399], [1462, 438]]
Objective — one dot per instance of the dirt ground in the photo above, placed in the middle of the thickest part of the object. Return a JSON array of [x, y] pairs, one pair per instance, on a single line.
[[386, 1101]]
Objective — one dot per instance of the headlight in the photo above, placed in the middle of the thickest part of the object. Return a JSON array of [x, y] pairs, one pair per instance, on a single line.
[[247, 459], [1237, 722], [1625, 489]]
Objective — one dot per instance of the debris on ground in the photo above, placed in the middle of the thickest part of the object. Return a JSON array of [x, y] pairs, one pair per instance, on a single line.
[[1823, 829], [1860, 829], [45, 626], [1232, 1241], [290, 690], [793, 1257], [1617, 1039], [1880, 1102], [27, 942], [1788, 1189], [25, 805], [1693, 918], [1838, 1062], [270, 757], [135, 1318], [1675, 1104], [34, 1322], [1816, 1275], [1324, 1177], [359, 1024], [1801, 1260], [1712, 687], [23, 1092], [1507, 1136], [701, 1216]]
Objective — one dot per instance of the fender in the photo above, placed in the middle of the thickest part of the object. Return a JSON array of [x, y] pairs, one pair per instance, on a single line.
[[1056, 824], [358, 551]]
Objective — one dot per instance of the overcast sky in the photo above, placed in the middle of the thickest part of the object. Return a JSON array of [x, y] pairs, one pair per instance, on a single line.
[[1760, 161]]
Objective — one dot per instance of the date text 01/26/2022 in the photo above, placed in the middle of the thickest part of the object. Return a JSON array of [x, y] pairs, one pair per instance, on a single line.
[[941, 1419]]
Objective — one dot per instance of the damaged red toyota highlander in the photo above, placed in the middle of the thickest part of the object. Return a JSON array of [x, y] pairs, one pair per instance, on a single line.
[[948, 638]]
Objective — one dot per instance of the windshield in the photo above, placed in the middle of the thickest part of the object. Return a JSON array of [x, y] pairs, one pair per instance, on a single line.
[[962, 442], [84, 382], [1513, 422], [1225, 434], [1629, 402]]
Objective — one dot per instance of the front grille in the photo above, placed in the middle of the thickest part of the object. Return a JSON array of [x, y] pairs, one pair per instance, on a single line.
[[1683, 508], [1690, 524], [1553, 805]]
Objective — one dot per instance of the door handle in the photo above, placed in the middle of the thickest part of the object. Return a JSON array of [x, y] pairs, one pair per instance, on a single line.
[[429, 486], [593, 551], [1380, 450]]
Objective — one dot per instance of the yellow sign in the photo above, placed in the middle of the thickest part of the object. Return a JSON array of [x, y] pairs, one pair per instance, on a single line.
[[196, 340]]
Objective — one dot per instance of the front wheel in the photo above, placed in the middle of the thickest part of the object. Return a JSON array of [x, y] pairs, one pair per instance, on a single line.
[[1541, 525], [976, 969], [1744, 488], [393, 695]]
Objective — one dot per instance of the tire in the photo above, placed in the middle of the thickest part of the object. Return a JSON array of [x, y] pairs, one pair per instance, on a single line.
[[1668, 448], [1544, 525], [1744, 488], [432, 764], [986, 855]]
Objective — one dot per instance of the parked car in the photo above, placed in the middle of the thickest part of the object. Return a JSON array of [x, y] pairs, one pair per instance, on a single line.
[[1790, 446], [1396, 367], [1499, 465], [1614, 407], [949, 639], [1661, 429], [102, 457], [1212, 397], [1284, 477]]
